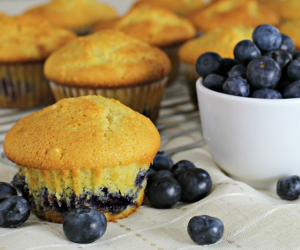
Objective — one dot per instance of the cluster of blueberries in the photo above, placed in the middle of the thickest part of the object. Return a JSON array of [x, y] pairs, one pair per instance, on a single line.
[[169, 183], [267, 67], [15, 210]]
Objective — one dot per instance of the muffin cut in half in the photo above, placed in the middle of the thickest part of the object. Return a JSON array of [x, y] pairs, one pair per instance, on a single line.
[[85, 151], [111, 64]]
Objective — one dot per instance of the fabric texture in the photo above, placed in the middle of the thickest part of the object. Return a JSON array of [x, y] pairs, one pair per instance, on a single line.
[[253, 219]]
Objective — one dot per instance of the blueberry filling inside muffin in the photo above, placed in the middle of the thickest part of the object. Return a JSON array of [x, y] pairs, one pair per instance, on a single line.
[[112, 203]]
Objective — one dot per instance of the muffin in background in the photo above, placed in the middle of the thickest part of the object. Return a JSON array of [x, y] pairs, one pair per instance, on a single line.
[[228, 13], [181, 7], [291, 28], [85, 151], [156, 26], [25, 43], [111, 64], [286, 9], [221, 41], [2, 15], [80, 16]]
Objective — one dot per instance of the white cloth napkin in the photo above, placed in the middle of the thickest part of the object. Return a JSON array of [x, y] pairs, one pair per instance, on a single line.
[[253, 219]]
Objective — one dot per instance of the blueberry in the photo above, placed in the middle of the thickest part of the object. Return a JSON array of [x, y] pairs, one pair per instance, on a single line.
[[195, 183], [282, 57], [293, 70], [283, 82], [7, 190], [14, 211], [288, 188], [267, 37], [267, 94], [263, 72], [287, 44], [161, 174], [244, 51], [236, 86], [227, 64], [292, 90], [150, 174], [237, 70], [205, 230], [164, 193], [214, 82], [181, 166], [84, 225], [296, 55], [162, 161], [208, 63]]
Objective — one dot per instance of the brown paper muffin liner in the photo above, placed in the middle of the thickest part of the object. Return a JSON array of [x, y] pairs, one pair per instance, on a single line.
[[190, 76], [23, 85], [116, 191], [172, 53], [144, 99]]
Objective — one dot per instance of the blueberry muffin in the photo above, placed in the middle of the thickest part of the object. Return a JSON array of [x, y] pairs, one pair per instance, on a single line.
[[156, 26], [77, 15], [25, 43], [221, 41], [181, 7], [287, 9], [111, 64], [85, 151], [291, 28], [228, 13]]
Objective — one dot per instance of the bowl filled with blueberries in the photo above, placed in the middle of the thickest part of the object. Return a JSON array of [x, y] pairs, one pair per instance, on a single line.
[[250, 108]]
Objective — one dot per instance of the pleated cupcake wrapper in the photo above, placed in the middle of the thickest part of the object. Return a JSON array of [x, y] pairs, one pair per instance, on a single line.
[[24, 86], [144, 99], [172, 53], [191, 77]]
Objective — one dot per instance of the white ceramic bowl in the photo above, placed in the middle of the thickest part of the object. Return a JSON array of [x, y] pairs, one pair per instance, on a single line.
[[256, 141]]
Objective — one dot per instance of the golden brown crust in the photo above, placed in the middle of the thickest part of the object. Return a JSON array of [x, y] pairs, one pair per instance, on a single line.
[[153, 25], [287, 9], [91, 132], [291, 28], [74, 14], [27, 39], [107, 58], [228, 13], [221, 41], [181, 7]]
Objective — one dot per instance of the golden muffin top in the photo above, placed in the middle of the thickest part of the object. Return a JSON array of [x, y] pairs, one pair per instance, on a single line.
[[74, 14], [221, 41], [2, 15], [228, 13], [287, 9], [291, 28], [181, 7], [89, 132], [156, 26], [26, 38], [107, 58]]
